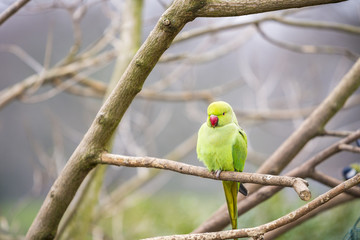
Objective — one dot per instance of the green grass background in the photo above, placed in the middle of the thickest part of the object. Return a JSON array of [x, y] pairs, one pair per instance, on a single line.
[[178, 213]]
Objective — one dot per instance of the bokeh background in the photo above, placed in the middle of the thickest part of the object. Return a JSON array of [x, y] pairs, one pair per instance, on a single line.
[[253, 67]]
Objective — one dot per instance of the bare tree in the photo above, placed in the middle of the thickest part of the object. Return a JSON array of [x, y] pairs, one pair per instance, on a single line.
[[133, 67]]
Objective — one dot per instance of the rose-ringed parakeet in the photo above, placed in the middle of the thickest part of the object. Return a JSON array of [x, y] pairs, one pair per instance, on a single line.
[[222, 146]]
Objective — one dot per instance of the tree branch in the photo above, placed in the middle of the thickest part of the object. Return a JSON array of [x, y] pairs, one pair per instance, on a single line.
[[338, 200], [15, 91], [312, 49], [350, 148], [136, 182], [11, 10], [261, 230], [221, 8], [345, 28], [299, 185], [332, 182]]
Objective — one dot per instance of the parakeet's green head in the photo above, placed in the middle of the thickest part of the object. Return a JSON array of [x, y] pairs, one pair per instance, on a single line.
[[219, 114]]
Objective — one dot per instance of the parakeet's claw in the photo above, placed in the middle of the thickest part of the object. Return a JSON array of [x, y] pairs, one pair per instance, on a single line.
[[218, 173], [243, 190]]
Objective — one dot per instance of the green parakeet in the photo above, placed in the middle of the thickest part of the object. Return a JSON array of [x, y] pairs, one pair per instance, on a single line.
[[222, 146]]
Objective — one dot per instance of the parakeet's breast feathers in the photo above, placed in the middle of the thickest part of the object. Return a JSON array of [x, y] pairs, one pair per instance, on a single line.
[[215, 146]]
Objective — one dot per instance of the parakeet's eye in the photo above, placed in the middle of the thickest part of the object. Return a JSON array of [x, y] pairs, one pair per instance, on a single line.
[[223, 113]]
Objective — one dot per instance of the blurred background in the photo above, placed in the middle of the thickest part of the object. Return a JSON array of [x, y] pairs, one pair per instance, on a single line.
[[272, 71]]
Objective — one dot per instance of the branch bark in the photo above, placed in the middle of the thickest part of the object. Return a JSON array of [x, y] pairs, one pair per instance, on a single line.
[[219, 8], [338, 200], [261, 230], [350, 148], [299, 185], [332, 182], [11, 10]]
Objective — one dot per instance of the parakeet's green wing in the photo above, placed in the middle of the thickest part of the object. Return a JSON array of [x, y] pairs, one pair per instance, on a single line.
[[239, 151]]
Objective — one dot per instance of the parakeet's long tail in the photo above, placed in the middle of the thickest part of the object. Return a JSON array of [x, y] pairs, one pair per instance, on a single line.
[[231, 190]]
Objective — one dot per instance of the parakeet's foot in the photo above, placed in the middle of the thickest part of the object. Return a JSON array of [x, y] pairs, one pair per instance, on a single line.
[[243, 190], [218, 173]]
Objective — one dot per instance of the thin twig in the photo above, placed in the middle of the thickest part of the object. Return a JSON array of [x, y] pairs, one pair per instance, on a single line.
[[190, 34], [312, 49], [22, 55], [11, 10], [334, 133], [204, 94], [15, 91], [345, 28], [350, 148], [212, 54]]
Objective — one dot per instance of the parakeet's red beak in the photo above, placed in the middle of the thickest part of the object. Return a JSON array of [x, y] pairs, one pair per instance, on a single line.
[[214, 120]]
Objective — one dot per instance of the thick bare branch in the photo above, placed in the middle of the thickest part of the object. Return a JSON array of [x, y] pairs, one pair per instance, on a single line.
[[221, 8], [298, 184], [136, 182], [261, 230], [350, 148], [338, 200]]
